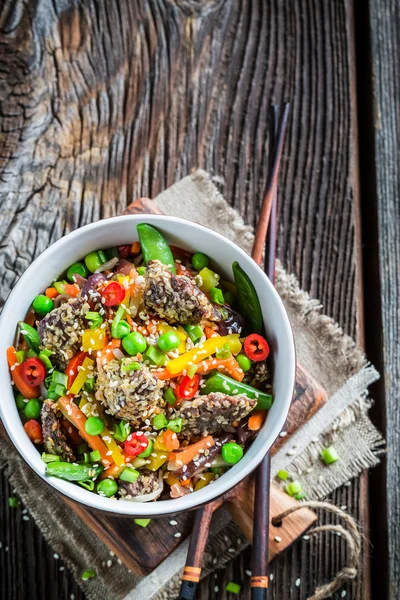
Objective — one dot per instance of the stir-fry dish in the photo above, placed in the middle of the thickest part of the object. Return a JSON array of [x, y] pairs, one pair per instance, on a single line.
[[140, 373]]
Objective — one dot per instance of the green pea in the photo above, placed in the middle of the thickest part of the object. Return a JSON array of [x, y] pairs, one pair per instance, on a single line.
[[20, 402], [93, 261], [199, 261], [94, 425], [32, 409], [107, 487], [141, 270], [121, 330], [147, 450], [168, 341], [232, 453], [244, 362], [160, 421], [77, 269], [42, 305], [134, 343]]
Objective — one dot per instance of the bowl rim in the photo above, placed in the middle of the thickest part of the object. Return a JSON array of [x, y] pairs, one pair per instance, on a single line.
[[190, 501]]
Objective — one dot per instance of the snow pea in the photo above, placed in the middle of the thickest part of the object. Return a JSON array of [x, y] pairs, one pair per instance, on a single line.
[[31, 336], [74, 472], [154, 246], [249, 303], [222, 383]]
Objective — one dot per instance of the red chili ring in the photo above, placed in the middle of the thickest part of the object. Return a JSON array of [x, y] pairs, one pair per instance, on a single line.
[[256, 347]]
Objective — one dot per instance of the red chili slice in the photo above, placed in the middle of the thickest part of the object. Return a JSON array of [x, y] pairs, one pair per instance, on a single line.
[[256, 347], [136, 444], [124, 251], [34, 431], [113, 294], [188, 387], [33, 371]]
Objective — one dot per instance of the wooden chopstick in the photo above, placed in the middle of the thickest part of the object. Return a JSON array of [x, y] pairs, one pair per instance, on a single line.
[[259, 563], [201, 525]]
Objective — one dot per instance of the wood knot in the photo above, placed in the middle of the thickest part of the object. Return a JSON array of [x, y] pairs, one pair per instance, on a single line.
[[197, 8]]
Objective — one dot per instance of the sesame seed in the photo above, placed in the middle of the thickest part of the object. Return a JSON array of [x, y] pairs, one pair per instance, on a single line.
[[177, 534], [277, 539], [109, 563], [173, 522], [248, 572], [216, 589], [271, 577], [297, 582], [25, 518], [283, 434], [343, 594], [56, 556], [306, 538], [344, 507]]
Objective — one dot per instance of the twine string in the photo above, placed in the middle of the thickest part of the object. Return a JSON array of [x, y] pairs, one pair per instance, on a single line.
[[350, 534]]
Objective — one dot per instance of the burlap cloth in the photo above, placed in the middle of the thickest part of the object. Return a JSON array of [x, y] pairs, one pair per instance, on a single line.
[[322, 348]]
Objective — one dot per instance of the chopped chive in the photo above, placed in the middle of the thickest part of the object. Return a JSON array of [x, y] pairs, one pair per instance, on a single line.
[[300, 496], [129, 475], [233, 587], [160, 421], [122, 431], [329, 455], [223, 352], [58, 377], [95, 456], [191, 371], [154, 356], [130, 366], [20, 356], [217, 295], [13, 502], [48, 458], [293, 488], [195, 332], [175, 425], [170, 396], [142, 522], [88, 485], [282, 475], [88, 574]]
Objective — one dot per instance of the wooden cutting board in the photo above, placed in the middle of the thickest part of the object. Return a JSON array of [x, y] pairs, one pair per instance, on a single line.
[[143, 549]]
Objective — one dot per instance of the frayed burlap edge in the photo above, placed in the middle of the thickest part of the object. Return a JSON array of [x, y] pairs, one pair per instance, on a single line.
[[65, 532]]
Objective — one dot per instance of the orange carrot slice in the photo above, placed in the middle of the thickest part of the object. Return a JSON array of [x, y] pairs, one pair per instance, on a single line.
[[187, 454], [256, 420]]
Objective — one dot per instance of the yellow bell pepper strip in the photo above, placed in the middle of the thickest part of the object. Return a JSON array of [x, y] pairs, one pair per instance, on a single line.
[[157, 459], [187, 454], [205, 479], [93, 339], [75, 416], [84, 372], [204, 350]]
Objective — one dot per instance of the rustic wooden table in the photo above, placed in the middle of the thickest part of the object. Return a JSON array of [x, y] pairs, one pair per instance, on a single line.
[[102, 102]]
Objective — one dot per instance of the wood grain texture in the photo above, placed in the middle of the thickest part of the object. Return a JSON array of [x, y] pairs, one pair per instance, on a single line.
[[103, 102], [383, 193]]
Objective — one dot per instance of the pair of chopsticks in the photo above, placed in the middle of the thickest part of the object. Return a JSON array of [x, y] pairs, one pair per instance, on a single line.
[[264, 236]]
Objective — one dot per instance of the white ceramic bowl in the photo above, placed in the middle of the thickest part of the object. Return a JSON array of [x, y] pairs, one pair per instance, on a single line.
[[122, 230]]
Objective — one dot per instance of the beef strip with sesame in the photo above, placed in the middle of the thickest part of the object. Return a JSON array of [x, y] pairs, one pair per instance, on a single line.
[[134, 395], [176, 298], [203, 459], [54, 438], [60, 330], [213, 413], [146, 483], [258, 375]]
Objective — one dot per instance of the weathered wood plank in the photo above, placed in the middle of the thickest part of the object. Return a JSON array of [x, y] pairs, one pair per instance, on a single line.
[[379, 102], [106, 102]]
